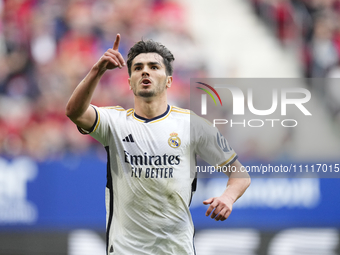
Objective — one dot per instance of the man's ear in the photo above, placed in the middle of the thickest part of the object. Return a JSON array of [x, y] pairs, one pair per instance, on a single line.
[[168, 82], [129, 81]]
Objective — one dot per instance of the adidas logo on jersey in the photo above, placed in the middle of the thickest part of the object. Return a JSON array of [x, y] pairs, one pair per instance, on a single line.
[[129, 139]]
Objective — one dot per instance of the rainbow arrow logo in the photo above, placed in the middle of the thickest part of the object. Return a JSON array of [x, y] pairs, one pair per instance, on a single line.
[[209, 93]]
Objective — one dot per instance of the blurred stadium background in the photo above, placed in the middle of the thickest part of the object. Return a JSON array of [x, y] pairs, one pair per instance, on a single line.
[[52, 178]]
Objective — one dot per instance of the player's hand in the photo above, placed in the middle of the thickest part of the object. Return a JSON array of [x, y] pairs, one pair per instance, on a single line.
[[111, 58], [220, 207]]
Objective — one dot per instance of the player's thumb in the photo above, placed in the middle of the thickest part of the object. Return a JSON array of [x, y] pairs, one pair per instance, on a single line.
[[208, 201]]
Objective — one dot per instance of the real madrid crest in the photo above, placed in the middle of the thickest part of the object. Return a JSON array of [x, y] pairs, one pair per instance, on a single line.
[[174, 140]]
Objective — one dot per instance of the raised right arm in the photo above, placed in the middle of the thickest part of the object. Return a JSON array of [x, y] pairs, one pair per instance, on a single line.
[[78, 108]]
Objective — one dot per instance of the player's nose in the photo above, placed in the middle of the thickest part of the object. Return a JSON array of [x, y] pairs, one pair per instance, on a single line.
[[145, 71]]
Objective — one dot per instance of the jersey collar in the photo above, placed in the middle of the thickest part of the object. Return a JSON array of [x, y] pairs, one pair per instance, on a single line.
[[155, 119]]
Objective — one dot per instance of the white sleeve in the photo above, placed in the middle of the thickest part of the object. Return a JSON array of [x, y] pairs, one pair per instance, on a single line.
[[210, 144], [101, 127]]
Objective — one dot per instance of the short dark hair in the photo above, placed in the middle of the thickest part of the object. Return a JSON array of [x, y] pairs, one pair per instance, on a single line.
[[151, 46]]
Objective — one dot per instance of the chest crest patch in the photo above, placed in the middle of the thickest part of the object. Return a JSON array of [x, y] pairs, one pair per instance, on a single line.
[[174, 141]]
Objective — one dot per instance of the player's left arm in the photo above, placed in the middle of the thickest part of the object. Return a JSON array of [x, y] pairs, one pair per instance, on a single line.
[[239, 180]]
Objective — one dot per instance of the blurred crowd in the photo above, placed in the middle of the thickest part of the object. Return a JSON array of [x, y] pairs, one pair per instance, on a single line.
[[312, 29], [46, 49], [311, 25]]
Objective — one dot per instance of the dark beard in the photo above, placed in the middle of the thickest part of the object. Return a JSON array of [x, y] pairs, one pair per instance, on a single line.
[[149, 93], [146, 93]]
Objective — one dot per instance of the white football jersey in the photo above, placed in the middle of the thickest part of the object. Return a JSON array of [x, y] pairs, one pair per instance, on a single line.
[[150, 177]]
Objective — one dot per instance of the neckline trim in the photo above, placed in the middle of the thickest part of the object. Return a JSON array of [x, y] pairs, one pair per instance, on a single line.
[[145, 120]]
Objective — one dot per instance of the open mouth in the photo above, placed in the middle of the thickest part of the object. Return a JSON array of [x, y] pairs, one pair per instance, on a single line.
[[146, 82]]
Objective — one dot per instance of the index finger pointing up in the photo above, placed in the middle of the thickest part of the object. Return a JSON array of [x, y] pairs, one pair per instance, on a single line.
[[116, 43]]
